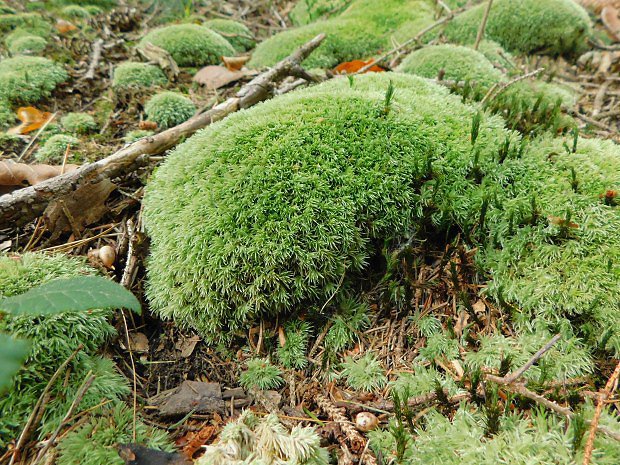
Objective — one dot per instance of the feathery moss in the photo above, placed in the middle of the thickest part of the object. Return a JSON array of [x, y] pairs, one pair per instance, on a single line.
[[554, 27], [78, 123], [190, 44], [26, 79], [261, 374], [53, 339], [169, 109], [96, 442], [458, 63], [359, 32], [237, 34], [53, 150], [25, 44], [364, 373], [133, 75], [244, 238]]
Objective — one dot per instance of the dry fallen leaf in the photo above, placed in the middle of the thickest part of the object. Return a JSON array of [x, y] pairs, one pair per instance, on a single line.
[[64, 26], [214, 77], [235, 63], [32, 119], [148, 125], [14, 175], [350, 67], [562, 222], [186, 345]]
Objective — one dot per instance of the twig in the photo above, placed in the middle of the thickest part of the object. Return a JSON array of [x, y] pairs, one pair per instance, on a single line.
[[76, 402], [602, 398], [511, 377], [23, 205], [94, 61], [496, 89], [416, 39], [37, 411], [483, 24]]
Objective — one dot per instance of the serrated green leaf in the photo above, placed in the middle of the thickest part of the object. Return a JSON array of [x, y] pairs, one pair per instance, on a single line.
[[12, 354], [71, 295]]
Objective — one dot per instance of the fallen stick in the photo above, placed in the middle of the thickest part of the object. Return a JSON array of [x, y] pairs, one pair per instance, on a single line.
[[94, 61], [24, 205]]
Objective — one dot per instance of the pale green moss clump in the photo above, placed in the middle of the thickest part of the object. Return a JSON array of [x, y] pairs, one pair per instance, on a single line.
[[26, 44], [7, 115], [134, 76], [75, 12], [457, 62], [280, 200], [237, 34], [363, 29], [190, 44], [78, 123], [554, 27], [54, 149], [25, 79], [31, 22], [133, 136], [169, 109], [308, 11], [53, 339]]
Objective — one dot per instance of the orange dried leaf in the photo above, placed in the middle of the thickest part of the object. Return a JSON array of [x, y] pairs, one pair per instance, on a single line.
[[350, 67], [31, 118], [556, 220], [147, 125], [235, 63], [64, 26], [14, 175]]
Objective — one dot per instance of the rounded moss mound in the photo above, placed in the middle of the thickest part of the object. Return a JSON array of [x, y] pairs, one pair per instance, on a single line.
[[363, 29], [169, 109], [75, 12], [26, 45], [308, 11], [52, 340], [554, 27], [32, 22], [131, 75], [54, 149], [190, 44], [78, 123], [279, 201], [459, 64], [237, 34], [25, 79]]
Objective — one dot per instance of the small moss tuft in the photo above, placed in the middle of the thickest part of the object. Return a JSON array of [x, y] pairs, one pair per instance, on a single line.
[[133, 136], [190, 44], [261, 375], [75, 12], [555, 27], [25, 79], [133, 75], [31, 22], [169, 109], [78, 123], [237, 34], [26, 45], [308, 11], [53, 151]]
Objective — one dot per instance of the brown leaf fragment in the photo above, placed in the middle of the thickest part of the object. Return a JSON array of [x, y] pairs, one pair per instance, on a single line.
[[31, 118], [214, 77], [235, 63], [63, 26], [186, 345], [196, 396], [78, 209], [14, 175], [147, 125]]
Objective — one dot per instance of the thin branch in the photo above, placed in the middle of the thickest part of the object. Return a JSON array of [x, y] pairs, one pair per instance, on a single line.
[[497, 89], [509, 378], [94, 61], [483, 24]]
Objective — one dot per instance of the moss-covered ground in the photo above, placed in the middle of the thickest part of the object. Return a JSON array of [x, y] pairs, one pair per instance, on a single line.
[[394, 244]]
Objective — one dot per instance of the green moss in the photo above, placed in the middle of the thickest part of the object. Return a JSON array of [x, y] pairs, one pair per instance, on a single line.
[[53, 150], [96, 442], [237, 34], [362, 30], [78, 123], [496, 54], [26, 79], [32, 22], [458, 63], [169, 109], [106, 4], [131, 75], [308, 11], [528, 26], [190, 44], [280, 200], [75, 12], [133, 136], [53, 339], [27, 45], [7, 115]]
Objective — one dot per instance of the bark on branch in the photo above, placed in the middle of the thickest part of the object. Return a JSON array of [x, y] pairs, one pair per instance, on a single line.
[[24, 205]]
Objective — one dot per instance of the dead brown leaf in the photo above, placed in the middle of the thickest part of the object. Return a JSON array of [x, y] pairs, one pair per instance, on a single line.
[[235, 63], [14, 175], [32, 119], [147, 125], [187, 345], [63, 26], [214, 77]]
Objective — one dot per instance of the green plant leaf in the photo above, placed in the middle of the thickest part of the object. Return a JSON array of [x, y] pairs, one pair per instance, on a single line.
[[71, 295], [12, 353]]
